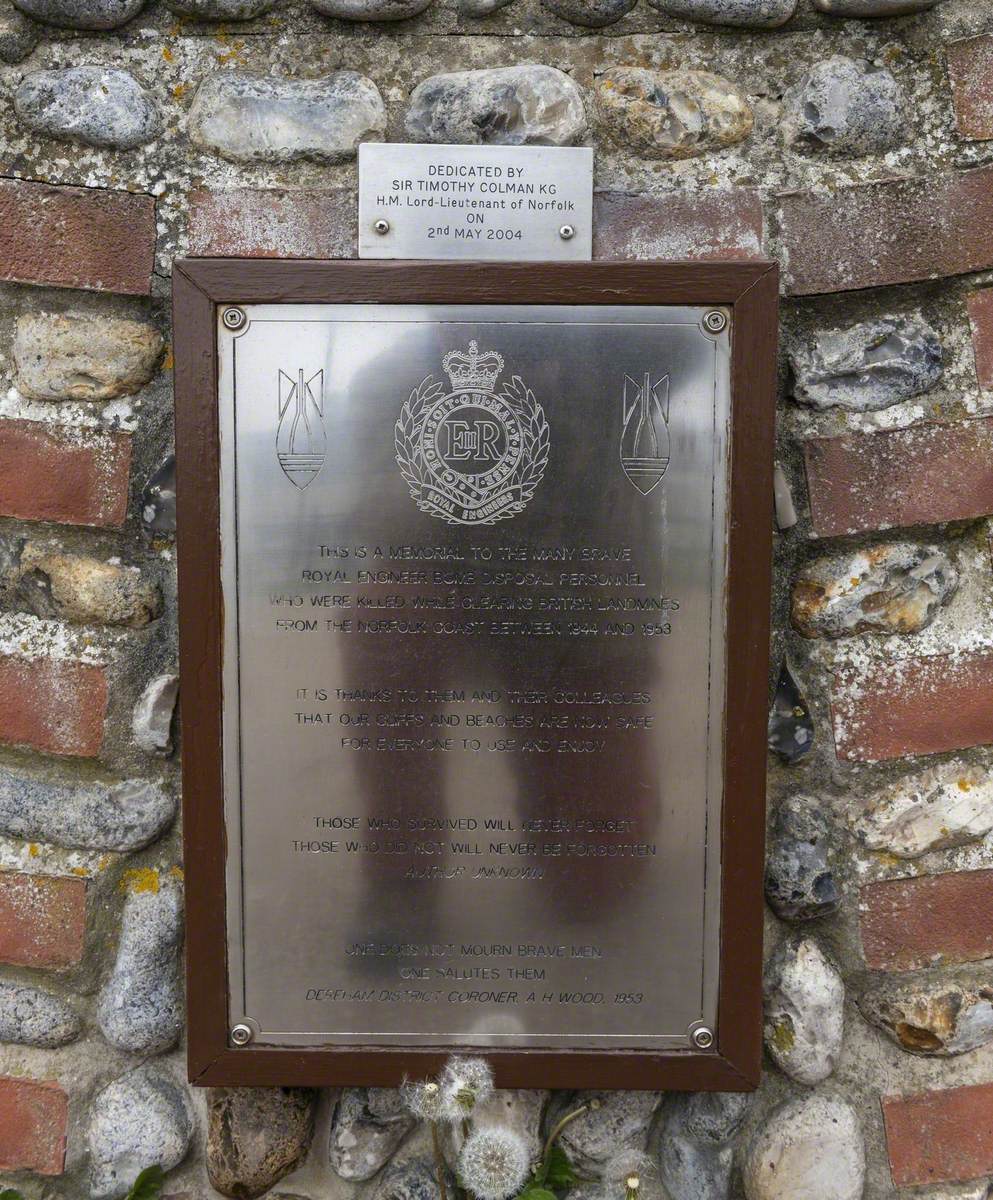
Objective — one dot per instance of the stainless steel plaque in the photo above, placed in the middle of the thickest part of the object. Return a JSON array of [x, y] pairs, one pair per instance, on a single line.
[[474, 569], [510, 203]]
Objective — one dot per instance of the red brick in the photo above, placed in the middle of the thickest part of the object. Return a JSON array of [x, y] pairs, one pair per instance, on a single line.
[[316, 223], [914, 706], [42, 919], [970, 71], [940, 1137], [981, 316], [711, 225], [912, 923], [33, 1120], [917, 476], [321, 223], [77, 237], [896, 231], [50, 473], [52, 705]]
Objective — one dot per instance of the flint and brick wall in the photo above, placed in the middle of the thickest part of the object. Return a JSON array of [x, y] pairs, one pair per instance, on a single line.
[[849, 139]]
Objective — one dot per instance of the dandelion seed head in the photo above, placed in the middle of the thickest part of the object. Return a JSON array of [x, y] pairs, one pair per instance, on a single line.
[[627, 1165], [465, 1082], [631, 1173], [494, 1163], [422, 1098]]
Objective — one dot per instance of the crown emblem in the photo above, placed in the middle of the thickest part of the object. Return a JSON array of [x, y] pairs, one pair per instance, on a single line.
[[474, 455], [472, 370]]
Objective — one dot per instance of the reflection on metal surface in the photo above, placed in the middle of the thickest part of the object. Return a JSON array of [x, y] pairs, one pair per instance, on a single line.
[[473, 769]]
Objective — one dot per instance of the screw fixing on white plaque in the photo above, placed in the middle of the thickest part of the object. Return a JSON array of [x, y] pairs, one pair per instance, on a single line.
[[703, 1038], [234, 318], [567, 232], [241, 1035], [382, 226], [714, 321]]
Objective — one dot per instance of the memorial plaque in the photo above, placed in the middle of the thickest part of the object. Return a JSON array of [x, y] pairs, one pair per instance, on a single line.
[[474, 759], [509, 203]]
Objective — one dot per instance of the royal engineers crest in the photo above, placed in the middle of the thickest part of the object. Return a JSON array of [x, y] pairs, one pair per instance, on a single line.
[[474, 455]]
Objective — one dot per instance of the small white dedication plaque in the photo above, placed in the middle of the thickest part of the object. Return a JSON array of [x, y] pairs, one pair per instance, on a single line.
[[520, 203]]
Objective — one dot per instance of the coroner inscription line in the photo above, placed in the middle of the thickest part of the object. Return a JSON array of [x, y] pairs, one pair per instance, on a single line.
[[478, 652]]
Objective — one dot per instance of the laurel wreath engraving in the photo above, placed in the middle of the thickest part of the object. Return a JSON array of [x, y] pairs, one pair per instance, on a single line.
[[526, 475]]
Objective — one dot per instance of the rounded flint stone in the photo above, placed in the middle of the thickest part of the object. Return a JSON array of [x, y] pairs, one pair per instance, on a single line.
[[369, 1125], [933, 1019], [873, 8], [127, 816], [255, 118], [31, 1017], [82, 14], [371, 10], [750, 14], [868, 366], [74, 356], [140, 1119], [97, 106], [409, 1179], [151, 722], [18, 35], [894, 587], [696, 1149], [846, 107], [810, 1147], [799, 882], [945, 806], [594, 14], [255, 1136], [481, 8], [623, 1119], [140, 1009], [84, 590], [671, 114], [804, 1011], [220, 10], [526, 105]]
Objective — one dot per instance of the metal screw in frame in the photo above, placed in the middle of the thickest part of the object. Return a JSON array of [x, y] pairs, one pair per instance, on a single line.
[[567, 232], [702, 1037], [233, 318], [382, 226], [241, 1035], [714, 321]]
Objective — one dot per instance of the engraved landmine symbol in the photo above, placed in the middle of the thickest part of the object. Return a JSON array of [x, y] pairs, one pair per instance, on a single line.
[[645, 432], [301, 440], [474, 455]]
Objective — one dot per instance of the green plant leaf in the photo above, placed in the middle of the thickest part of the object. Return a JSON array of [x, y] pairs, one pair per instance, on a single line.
[[534, 1191], [559, 1172], [147, 1186], [10, 1194]]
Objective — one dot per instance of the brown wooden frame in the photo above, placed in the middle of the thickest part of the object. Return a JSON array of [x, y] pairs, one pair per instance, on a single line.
[[199, 286]]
